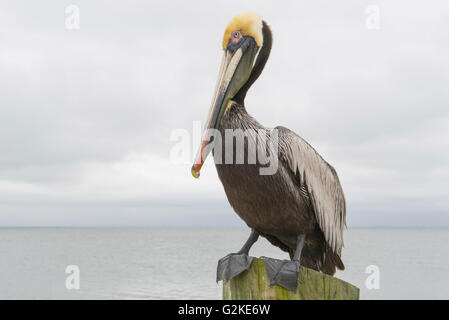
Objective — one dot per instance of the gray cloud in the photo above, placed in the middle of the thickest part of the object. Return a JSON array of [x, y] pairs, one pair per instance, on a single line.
[[86, 116]]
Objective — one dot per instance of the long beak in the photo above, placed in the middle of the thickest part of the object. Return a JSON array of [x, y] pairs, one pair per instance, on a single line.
[[228, 66], [235, 70], [229, 82]]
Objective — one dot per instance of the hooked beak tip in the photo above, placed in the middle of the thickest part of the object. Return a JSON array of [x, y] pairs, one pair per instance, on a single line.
[[195, 172]]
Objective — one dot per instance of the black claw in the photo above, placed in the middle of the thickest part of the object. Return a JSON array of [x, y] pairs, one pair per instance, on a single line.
[[282, 272], [232, 265]]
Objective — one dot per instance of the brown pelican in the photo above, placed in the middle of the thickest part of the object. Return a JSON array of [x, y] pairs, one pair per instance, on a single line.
[[300, 207]]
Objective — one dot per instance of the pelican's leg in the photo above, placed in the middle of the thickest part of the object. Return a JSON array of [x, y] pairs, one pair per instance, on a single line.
[[235, 263], [285, 272]]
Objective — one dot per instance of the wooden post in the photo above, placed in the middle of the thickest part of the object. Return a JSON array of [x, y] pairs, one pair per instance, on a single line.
[[254, 284]]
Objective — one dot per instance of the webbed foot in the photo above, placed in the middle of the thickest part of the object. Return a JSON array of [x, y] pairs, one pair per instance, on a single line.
[[232, 265], [235, 263], [285, 272], [282, 272]]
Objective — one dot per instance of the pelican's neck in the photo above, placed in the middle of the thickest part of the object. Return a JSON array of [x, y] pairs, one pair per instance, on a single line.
[[259, 65], [236, 117]]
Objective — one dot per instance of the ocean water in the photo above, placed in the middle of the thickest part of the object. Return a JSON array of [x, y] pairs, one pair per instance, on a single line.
[[154, 263]]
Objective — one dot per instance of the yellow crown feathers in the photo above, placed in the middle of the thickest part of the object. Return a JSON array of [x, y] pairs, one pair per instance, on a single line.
[[249, 24]]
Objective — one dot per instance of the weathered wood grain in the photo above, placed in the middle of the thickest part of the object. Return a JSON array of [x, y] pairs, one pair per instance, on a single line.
[[254, 284]]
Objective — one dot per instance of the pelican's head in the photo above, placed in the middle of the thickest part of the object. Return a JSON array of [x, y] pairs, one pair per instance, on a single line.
[[242, 42]]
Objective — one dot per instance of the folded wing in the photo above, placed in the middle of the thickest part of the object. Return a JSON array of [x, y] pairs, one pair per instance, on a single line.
[[318, 183]]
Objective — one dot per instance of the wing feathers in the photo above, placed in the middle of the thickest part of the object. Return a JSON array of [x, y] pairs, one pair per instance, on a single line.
[[320, 181]]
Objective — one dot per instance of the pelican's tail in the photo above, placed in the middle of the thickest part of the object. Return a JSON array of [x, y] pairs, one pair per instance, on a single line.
[[332, 261]]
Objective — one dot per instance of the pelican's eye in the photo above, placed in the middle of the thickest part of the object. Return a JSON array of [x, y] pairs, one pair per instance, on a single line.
[[236, 35]]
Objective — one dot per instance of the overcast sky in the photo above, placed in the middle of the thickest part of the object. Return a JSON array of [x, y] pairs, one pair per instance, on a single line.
[[86, 115]]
